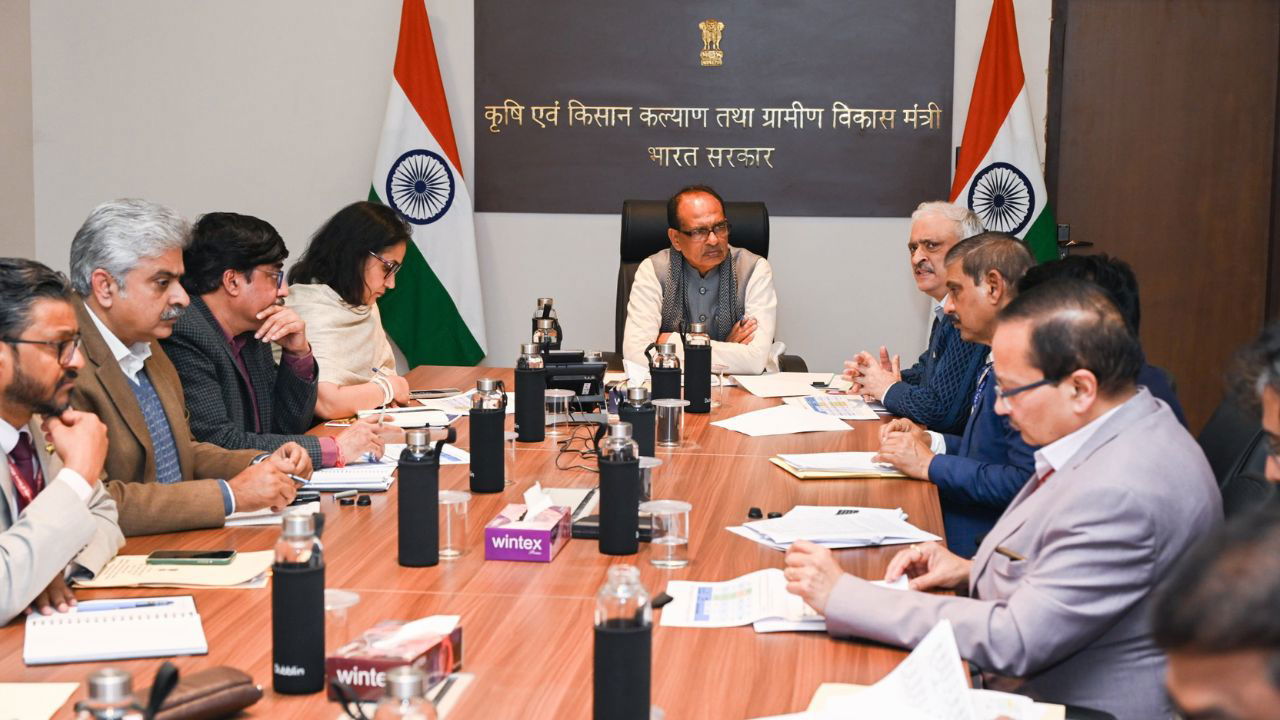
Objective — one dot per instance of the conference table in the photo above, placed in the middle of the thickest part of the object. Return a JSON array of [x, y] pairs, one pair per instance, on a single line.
[[527, 627]]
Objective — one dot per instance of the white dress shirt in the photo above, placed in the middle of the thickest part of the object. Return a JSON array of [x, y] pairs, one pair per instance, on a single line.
[[131, 358], [1054, 456]]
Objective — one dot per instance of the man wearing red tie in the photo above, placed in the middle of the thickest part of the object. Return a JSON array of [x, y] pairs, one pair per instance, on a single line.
[[55, 518]]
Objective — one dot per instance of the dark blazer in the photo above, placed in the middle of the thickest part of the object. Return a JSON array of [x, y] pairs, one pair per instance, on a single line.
[[937, 391], [146, 506], [218, 399], [982, 472]]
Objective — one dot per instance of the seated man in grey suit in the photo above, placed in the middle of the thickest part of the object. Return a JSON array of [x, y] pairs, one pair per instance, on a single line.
[[237, 396], [1059, 593], [55, 515], [1216, 617]]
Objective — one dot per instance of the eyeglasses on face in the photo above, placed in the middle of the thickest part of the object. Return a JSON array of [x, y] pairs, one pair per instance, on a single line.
[[65, 349], [389, 267], [721, 229], [276, 275], [1003, 395]]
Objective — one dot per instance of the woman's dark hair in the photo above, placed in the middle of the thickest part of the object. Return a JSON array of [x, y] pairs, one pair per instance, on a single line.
[[339, 249], [222, 241]]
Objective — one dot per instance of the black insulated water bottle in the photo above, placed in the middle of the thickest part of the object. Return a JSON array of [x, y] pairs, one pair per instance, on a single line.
[[297, 608], [664, 370], [623, 652], [418, 485], [531, 387], [697, 368], [619, 492], [488, 418], [637, 410]]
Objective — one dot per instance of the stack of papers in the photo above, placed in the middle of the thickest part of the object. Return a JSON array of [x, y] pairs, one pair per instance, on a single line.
[[845, 407], [781, 420], [834, 527], [759, 599], [449, 454], [34, 701], [460, 404], [789, 384], [822, 466], [929, 685], [246, 570]]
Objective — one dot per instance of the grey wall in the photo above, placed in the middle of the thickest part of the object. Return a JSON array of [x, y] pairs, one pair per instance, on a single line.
[[17, 200], [274, 109]]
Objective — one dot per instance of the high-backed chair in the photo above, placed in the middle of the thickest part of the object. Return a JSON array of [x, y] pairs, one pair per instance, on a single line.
[[1233, 441], [644, 232]]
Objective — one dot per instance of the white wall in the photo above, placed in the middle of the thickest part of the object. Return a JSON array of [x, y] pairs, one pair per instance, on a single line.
[[274, 109]]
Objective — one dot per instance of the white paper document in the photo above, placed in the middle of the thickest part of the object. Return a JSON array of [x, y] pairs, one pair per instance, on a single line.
[[781, 420], [845, 407], [115, 629], [859, 462], [788, 384], [33, 701], [133, 571], [759, 599], [834, 527], [460, 404]]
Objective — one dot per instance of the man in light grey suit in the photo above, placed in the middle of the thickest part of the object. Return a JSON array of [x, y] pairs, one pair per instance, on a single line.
[[55, 515], [1060, 589]]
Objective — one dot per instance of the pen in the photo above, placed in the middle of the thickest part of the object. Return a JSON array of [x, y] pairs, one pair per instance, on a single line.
[[296, 479], [586, 499], [119, 604], [1002, 550], [382, 410], [344, 494]]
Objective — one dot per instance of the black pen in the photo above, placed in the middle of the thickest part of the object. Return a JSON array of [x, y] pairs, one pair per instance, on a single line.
[[582, 505]]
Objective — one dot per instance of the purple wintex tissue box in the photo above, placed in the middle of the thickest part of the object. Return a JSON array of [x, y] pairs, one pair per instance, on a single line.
[[535, 539]]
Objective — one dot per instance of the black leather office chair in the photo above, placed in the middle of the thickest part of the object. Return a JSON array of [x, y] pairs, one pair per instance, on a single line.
[[644, 232], [1233, 441]]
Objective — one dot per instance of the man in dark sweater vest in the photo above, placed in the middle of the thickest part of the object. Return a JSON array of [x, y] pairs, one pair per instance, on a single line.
[[937, 390], [979, 472]]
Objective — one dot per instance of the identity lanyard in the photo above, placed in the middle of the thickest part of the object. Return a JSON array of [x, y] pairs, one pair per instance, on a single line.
[[982, 385]]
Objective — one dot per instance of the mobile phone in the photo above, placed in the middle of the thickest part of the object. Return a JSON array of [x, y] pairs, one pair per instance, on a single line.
[[191, 557], [305, 496]]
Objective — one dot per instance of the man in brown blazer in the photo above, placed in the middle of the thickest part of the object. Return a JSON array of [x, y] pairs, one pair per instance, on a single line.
[[125, 263]]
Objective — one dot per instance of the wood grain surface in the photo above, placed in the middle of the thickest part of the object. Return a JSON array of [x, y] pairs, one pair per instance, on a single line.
[[527, 626]]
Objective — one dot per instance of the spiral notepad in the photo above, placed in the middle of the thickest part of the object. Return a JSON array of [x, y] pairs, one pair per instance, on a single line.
[[117, 629]]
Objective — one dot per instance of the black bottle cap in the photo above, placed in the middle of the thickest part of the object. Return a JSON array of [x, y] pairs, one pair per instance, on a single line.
[[347, 501], [364, 500], [773, 515], [754, 513]]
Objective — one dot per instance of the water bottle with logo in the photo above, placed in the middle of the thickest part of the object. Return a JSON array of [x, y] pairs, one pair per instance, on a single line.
[[546, 326], [297, 608], [664, 370], [406, 697], [620, 491], [110, 697], [531, 384], [488, 419], [697, 368], [623, 647]]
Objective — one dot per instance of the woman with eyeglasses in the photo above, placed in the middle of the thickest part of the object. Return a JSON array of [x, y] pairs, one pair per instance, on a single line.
[[351, 262]]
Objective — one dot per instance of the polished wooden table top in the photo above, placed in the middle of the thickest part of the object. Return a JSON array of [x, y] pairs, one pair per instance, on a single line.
[[527, 626]]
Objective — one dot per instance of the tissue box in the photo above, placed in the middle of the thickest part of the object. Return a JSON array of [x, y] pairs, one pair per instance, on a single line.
[[362, 664], [536, 539]]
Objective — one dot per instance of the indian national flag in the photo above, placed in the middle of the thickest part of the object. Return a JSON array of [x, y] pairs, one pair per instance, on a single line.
[[435, 314], [998, 172]]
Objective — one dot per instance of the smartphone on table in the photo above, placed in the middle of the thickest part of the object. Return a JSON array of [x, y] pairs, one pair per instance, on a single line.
[[191, 557]]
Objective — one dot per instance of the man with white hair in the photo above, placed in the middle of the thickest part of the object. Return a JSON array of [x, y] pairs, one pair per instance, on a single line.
[[125, 263], [936, 391]]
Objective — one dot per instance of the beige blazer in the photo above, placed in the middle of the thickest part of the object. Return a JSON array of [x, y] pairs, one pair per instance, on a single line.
[[145, 506], [54, 530]]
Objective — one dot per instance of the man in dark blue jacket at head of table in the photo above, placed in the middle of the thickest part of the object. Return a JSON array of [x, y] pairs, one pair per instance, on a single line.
[[1116, 278], [977, 473], [937, 390]]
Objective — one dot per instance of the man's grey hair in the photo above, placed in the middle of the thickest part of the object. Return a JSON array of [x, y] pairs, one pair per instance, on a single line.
[[966, 221], [119, 234]]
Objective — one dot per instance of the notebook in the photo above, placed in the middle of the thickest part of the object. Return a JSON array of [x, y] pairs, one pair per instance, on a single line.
[[116, 629]]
